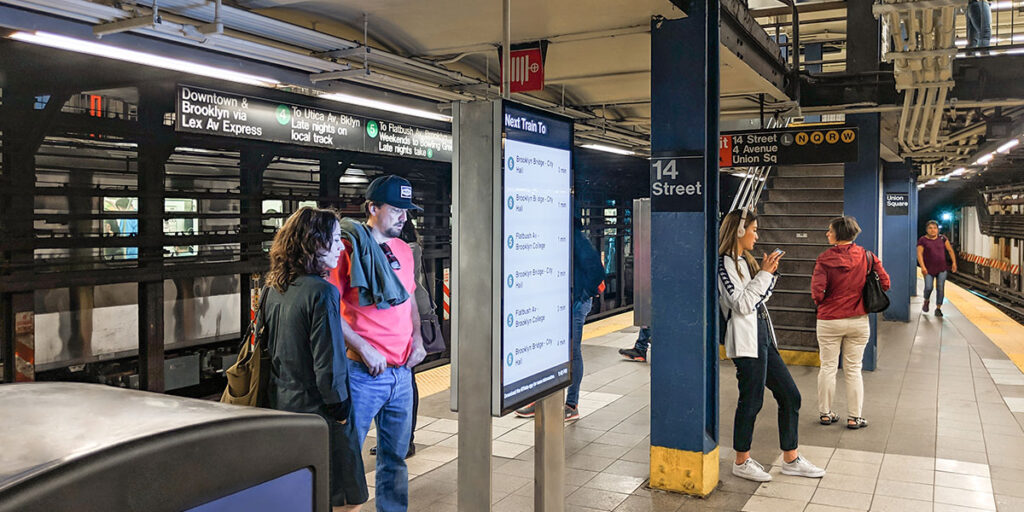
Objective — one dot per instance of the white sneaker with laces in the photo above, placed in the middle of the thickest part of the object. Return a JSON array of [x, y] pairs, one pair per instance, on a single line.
[[802, 467], [751, 470]]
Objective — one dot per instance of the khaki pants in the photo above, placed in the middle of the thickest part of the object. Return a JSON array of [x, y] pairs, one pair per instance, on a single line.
[[851, 336]]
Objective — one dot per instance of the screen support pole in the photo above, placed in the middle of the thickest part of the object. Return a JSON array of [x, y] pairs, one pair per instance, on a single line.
[[477, 153], [549, 454]]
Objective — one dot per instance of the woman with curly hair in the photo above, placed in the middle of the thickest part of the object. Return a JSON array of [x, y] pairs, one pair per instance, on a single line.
[[303, 318]]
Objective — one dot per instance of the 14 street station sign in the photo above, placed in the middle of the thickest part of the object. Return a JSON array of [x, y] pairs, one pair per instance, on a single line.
[[797, 146]]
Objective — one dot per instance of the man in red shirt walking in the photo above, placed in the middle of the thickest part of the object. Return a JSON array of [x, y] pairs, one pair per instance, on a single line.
[[375, 275]]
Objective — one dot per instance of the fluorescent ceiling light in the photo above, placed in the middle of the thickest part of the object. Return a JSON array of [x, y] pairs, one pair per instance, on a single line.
[[1008, 146], [931, 181], [984, 159], [146, 59], [608, 149], [958, 172], [383, 105]]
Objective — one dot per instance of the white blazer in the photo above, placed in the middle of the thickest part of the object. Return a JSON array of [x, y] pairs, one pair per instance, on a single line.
[[740, 297]]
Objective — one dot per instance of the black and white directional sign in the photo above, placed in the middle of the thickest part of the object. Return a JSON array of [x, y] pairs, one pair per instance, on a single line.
[[677, 183], [897, 203], [797, 146], [210, 112], [536, 255]]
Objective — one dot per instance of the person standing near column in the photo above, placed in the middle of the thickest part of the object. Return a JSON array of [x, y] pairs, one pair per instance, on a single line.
[[587, 278], [744, 287], [375, 275], [979, 24], [932, 249], [837, 287], [306, 346]]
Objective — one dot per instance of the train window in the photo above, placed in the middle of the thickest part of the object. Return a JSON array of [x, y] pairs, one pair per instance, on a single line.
[[303, 204], [272, 210], [180, 226], [120, 226]]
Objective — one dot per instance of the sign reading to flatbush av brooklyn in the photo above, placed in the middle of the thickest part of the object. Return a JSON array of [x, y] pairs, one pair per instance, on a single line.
[[210, 112], [796, 146]]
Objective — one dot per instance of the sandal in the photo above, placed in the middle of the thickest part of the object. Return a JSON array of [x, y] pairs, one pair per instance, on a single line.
[[830, 418], [857, 423]]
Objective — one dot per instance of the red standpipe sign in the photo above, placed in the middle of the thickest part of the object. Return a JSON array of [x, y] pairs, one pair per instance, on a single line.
[[526, 70], [725, 151]]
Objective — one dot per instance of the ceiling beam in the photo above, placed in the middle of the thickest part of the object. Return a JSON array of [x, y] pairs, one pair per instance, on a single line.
[[832, 5]]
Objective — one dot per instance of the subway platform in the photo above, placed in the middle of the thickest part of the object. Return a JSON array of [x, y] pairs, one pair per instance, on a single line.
[[946, 407]]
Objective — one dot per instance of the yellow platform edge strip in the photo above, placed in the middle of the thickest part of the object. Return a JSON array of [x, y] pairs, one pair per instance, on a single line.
[[684, 471], [1004, 331], [608, 325]]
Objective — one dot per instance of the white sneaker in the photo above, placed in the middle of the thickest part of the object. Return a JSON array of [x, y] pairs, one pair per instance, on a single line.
[[751, 470], [801, 467]]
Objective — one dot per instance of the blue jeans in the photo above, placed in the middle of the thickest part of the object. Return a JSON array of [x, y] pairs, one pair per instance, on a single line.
[[580, 310], [979, 24], [940, 289], [386, 399], [643, 340]]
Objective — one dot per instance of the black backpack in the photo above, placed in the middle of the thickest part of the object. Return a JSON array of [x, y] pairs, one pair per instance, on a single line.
[[588, 272]]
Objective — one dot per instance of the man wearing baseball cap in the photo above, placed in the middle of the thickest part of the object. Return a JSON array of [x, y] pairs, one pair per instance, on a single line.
[[376, 278]]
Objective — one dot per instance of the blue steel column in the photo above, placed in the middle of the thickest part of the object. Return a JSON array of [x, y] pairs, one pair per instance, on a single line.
[[862, 199], [897, 231], [913, 235], [684, 369]]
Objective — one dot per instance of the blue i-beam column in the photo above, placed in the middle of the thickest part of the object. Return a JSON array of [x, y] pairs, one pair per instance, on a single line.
[[862, 194], [913, 234], [684, 234], [897, 238]]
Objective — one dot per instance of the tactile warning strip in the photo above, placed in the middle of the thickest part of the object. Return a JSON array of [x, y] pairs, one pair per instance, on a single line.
[[1006, 333]]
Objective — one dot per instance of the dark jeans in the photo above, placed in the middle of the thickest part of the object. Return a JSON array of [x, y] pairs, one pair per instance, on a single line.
[[415, 408], [754, 374], [643, 340], [580, 310]]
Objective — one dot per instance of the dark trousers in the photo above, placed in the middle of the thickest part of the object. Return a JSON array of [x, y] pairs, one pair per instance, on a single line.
[[754, 374], [415, 407]]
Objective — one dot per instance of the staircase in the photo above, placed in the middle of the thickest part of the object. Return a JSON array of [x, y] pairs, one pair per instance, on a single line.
[[793, 216]]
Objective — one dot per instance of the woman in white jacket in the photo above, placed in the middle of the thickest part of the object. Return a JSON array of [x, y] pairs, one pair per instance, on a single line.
[[750, 343]]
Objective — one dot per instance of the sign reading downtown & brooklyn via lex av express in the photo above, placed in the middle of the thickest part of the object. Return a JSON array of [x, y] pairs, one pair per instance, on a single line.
[[796, 146], [210, 112]]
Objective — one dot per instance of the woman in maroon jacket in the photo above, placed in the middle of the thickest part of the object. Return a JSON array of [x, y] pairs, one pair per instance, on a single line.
[[837, 287]]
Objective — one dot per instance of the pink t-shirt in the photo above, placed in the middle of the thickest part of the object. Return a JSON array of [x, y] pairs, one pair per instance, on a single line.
[[387, 330]]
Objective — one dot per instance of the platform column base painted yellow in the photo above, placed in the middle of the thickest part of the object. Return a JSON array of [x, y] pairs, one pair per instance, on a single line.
[[684, 471], [790, 357]]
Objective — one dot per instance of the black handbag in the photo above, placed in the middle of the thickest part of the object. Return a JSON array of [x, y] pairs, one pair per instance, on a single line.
[[433, 337], [875, 300]]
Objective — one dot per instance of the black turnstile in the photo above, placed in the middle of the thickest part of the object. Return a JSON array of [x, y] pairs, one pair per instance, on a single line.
[[88, 447]]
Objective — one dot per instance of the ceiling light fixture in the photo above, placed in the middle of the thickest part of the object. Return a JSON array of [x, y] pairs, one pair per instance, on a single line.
[[146, 59], [984, 159], [383, 105], [1008, 146], [608, 149]]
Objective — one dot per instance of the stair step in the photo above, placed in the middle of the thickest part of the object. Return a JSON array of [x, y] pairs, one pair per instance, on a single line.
[[795, 222], [798, 171], [794, 282], [794, 250], [813, 235], [833, 208], [820, 182], [804, 194], [791, 298], [794, 319], [796, 339]]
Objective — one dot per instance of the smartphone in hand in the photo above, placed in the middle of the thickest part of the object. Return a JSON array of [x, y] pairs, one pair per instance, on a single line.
[[780, 252]]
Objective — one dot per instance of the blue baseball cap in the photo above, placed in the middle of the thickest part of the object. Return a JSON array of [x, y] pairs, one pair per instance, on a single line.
[[393, 190]]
